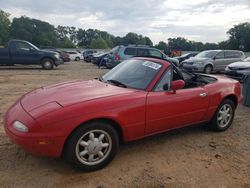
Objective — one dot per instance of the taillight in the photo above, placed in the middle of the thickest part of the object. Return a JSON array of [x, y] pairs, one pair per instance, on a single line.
[[117, 57]]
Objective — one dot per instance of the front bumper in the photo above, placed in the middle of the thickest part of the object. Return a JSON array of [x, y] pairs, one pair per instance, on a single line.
[[58, 62], [35, 141]]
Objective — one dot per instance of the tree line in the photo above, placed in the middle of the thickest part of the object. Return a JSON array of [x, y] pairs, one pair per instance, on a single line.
[[42, 33]]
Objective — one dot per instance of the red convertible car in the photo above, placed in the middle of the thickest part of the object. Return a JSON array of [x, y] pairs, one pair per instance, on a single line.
[[85, 121]]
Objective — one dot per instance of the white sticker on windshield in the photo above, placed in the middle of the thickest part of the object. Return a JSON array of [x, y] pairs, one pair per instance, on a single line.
[[152, 65]]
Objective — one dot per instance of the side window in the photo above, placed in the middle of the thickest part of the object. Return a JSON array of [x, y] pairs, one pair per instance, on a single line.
[[220, 55], [142, 52], [232, 54], [130, 51], [21, 46], [155, 53], [165, 79]]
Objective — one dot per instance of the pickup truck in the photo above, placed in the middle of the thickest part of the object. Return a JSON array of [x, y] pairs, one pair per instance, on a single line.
[[25, 53]]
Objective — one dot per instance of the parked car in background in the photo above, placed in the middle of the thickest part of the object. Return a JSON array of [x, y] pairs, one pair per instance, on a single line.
[[212, 60], [84, 121], [186, 56], [63, 55], [25, 53], [238, 69], [98, 57], [88, 54], [75, 56], [121, 53]]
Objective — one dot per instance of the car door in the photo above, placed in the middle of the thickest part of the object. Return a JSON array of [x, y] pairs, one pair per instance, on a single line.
[[23, 53], [219, 61], [167, 110]]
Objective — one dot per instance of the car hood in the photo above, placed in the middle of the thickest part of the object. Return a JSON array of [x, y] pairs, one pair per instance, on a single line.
[[69, 93], [48, 52], [240, 64], [196, 59]]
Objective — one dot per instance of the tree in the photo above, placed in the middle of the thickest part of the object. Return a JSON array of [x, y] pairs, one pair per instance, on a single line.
[[161, 45], [4, 27], [35, 31], [65, 37], [99, 43], [239, 37]]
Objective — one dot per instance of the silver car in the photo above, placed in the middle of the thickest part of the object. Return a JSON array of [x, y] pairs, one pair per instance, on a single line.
[[238, 69], [212, 60]]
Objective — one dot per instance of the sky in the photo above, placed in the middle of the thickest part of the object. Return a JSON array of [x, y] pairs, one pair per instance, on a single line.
[[198, 20]]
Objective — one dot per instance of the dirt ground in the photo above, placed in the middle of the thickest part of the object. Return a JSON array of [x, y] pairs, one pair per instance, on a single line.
[[191, 157]]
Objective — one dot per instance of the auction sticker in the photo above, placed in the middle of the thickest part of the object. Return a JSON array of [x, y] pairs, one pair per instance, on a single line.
[[151, 65]]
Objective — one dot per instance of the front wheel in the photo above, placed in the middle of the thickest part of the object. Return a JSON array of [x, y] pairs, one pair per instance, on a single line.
[[77, 58], [224, 116], [47, 64], [208, 69], [92, 146]]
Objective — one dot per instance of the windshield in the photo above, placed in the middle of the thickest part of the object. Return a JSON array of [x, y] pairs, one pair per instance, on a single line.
[[114, 50], [133, 73], [207, 54], [33, 46], [247, 59]]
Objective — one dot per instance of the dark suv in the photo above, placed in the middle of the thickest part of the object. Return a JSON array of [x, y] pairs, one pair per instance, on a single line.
[[121, 53], [88, 55]]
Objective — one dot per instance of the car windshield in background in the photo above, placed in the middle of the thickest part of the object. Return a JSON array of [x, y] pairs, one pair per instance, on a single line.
[[247, 59], [133, 73], [207, 54]]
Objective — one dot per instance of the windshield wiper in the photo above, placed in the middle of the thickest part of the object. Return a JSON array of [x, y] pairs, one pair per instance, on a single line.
[[117, 83]]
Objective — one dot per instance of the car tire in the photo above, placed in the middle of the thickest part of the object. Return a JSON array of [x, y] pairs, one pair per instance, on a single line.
[[208, 69], [77, 58], [224, 116], [91, 146], [47, 64]]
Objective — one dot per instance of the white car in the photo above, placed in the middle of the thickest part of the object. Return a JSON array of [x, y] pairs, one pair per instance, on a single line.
[[75, 56]]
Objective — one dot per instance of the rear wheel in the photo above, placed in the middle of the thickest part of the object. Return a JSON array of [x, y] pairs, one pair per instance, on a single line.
[[208, 69], [77, 59], [47, 64], [92, 146], [224, 116]]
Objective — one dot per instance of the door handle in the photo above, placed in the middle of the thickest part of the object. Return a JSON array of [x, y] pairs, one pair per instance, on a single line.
[[203, 94]]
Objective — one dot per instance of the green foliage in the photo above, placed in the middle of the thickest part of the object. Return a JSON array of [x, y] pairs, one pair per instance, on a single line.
[[35, 31], [99, 43], [187, 45], [162, 45], [4, 27], [133, 38], [239, 37]]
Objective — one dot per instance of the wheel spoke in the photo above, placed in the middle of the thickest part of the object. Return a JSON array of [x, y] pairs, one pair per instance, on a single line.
[[105, 145], [84, 144], [91, 158], [100, 154], [224, 107], [101, 137], [92, 136], [83, 153]]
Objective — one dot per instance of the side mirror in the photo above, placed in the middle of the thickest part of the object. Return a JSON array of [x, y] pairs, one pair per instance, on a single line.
[[165, 87], [177, 84]]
